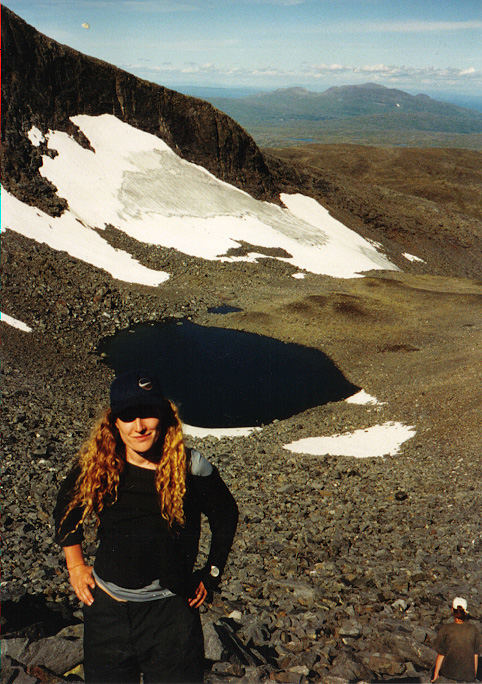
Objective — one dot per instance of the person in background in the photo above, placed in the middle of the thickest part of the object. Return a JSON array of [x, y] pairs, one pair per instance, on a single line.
[[457, 645], [146, 491]]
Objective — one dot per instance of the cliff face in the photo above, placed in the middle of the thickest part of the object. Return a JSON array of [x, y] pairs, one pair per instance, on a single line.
[[44, 83]]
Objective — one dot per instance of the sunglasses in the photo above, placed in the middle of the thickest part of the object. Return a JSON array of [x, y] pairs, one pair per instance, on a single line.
[[130, 414]]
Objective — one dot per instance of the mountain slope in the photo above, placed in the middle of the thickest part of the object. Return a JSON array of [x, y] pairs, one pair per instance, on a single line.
[[135, 184], [426, 200], [358, 100], [44, 83]]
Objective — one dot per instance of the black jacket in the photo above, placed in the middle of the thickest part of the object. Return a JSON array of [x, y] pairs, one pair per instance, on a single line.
[[136, 545]]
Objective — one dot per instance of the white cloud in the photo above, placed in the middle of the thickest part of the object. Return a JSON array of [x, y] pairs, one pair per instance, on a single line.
[[311, 72], [393, 71], [469, 72], [415, 26]]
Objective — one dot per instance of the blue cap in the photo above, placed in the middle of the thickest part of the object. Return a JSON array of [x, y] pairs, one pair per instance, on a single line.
[[135, 388]]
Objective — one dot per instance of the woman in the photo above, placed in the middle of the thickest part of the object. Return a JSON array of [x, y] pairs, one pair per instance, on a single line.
[[146, 492], [457, 645]]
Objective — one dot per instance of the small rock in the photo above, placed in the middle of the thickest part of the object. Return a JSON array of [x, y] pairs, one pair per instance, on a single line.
[[15, 674], [76, 631], [384, 663], [408, 648], [14, 648], [236, 615], [228, 669], [286, 677], [77, 671], [213, 648], [300, 669], [350, 628], [347, 668]]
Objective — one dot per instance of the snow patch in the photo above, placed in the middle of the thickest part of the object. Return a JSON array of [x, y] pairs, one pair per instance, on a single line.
[[362, 397], [136, 183], [66, 233], [379, 440], [344, 253], [14, 322], [411, 257], [298, 276], [201, 432], [35, 136]]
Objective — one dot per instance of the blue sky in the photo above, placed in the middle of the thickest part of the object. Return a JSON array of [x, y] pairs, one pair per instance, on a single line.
[[415, 45]]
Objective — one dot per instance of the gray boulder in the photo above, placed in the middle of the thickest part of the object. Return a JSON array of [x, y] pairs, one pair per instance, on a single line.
[[54, 653], [213, 648], [408, 648], [13, 673], [346, 668]]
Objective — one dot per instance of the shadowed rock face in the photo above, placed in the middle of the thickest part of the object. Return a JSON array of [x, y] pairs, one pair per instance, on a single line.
[[44, 83]]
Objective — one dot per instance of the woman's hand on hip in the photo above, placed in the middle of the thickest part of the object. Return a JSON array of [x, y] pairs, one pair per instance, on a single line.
[[199, 596], [81, 579]]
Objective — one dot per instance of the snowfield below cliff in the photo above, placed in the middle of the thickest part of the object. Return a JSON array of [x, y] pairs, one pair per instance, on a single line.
[[133, 181]]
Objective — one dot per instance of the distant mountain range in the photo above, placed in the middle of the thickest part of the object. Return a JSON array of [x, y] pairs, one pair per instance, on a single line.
[[357, 113], [466, 101]]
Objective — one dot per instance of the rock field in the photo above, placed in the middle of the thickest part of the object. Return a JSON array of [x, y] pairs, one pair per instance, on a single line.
[[342, 568]]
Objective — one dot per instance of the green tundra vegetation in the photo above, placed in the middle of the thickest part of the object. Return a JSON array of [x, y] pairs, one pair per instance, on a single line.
[[369, 114]]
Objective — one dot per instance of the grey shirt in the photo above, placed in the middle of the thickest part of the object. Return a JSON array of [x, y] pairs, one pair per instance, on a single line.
[[458, 643]]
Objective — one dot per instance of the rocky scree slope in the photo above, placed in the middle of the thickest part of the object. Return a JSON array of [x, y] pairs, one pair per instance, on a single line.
[[341, 568]]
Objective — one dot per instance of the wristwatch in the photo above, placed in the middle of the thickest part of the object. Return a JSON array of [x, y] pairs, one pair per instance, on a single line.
[[214, 571]]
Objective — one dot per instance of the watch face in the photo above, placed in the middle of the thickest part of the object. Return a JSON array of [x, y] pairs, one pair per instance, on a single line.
[[214, 571]]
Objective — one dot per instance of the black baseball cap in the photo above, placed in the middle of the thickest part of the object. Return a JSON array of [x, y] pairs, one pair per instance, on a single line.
[[135, 388]]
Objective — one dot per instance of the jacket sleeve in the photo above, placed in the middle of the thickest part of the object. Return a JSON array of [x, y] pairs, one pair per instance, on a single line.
[[217, 503], [64, 530]]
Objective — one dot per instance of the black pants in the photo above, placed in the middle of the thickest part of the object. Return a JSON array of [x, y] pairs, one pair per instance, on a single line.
[[162, 639]]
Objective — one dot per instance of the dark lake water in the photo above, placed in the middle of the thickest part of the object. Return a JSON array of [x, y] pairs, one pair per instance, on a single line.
[[226, 378], [224, 309]]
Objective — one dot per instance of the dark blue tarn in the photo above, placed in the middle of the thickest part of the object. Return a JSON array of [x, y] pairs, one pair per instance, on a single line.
[[227, 378]]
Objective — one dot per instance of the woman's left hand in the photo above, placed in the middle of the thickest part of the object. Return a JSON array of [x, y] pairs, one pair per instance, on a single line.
[[199, 596]]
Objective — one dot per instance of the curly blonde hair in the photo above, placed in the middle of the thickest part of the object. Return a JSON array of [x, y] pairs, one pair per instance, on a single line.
[[102, 459]]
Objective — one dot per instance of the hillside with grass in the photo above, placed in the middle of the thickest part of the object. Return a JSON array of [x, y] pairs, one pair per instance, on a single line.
[[364, 114]]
